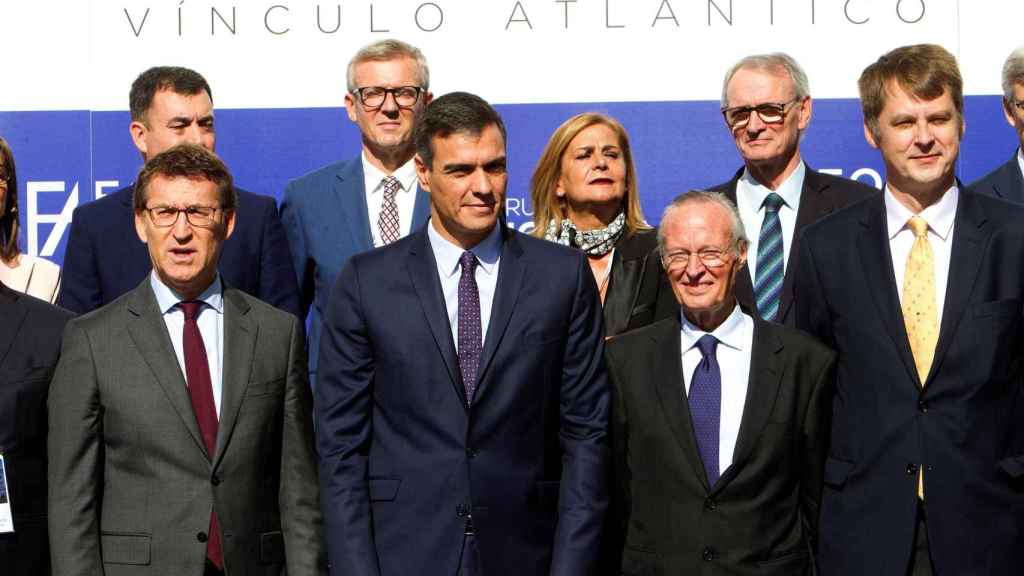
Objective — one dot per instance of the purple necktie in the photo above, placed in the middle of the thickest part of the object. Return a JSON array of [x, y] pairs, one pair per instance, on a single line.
[[469, 324], [200, 391], [705, 405]]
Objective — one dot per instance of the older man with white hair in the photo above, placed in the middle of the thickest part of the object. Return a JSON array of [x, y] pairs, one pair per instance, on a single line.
[[1007, 181]]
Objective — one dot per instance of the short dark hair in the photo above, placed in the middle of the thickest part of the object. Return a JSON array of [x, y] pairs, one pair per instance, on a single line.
[[186, 161], [174, 78], [451, 113], [9, 247], [924, 70]]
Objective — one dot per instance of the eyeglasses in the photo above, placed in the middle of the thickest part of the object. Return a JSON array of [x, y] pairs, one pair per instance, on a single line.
[[680, 259], [769, 113], [167, 216], [373, 97]]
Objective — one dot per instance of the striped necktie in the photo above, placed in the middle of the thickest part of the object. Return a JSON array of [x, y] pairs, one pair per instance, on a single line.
[[770, 269]]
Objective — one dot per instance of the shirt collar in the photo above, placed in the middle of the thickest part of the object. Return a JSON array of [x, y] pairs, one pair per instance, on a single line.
[[939, 216], [406, 175], [167, 299], [729, 333], [447, 254], [1020, 160], [789, 190]]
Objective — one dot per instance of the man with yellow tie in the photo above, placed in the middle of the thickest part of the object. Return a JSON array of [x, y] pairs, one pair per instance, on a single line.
[[920, 290]]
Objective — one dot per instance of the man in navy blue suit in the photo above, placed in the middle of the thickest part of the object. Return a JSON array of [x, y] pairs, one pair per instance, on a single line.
[[462, 400], [104, 258], [357, 204]]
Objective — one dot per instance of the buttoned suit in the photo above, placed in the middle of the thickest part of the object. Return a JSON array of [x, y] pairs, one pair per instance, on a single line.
[[761, 516], [132, 485]]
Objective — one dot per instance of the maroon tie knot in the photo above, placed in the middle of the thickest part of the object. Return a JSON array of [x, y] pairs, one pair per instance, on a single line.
[[190, 308]]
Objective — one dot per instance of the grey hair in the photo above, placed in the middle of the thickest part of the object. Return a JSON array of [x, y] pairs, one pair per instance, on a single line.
[[774, 62], [1013, 72], [384, 50], [739, 234]]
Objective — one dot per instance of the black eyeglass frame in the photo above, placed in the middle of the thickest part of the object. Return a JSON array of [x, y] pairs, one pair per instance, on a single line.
[[776, 107], [189, 212], [361, 95]]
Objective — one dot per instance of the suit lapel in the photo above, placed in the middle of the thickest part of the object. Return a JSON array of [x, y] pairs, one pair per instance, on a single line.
[[13, 315], [240, 333], [423, 273], [970, 236], [762, 390], [666, 376], [510, 280], [420, 209], [744, 278], [873, 248], [149, 333], [350, 189], [814, 204]]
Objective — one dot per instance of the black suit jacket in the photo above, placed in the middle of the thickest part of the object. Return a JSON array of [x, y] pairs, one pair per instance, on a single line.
[[821, 195], [761, 516], [638, 291], [1004, 182], [964, 424], [30, 335], [105, 258]]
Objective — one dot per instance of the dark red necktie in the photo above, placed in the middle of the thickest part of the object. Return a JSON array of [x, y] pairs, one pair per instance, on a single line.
[[200, 391]]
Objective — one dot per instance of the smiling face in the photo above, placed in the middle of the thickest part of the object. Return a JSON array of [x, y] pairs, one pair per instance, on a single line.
[[184, 256], [466, 184], [706, 294], [387, 130], [768, 144], [174, 119], [593, 177], [919, 141]]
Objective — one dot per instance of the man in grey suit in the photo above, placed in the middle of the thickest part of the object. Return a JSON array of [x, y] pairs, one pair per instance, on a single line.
[[180, 436], [354, 205]]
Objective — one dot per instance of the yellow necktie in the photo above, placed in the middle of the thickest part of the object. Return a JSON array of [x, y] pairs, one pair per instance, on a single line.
[[919, 313]]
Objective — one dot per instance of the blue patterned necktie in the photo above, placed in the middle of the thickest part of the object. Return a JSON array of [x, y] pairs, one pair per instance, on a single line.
[[705, 401], [770, 270], [469, 324]]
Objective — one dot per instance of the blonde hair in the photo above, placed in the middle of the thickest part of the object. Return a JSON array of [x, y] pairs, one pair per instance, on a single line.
[[547, 207]]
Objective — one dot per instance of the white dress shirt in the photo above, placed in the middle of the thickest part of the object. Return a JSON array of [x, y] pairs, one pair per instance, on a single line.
[[488, 255], [750, 196], [1020, 160], [211, 327], [373, 179], [940, 218], [735, 341]]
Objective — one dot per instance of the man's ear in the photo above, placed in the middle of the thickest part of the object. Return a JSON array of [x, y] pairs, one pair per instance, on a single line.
[[870, 137], [138, 130], [140, 226], [422, 173], [350, 106]]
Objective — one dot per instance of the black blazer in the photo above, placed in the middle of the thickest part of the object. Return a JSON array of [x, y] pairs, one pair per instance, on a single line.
[[820, 196], [1004, 182], [105, 258], [30, 336], [761, 516], [964, 424], [638, 291]]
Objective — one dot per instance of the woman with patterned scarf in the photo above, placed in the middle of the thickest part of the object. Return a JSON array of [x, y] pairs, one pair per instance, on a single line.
[[585, 195]]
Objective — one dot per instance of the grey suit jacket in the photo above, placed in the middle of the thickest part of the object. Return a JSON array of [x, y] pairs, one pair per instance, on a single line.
[[131, 483]]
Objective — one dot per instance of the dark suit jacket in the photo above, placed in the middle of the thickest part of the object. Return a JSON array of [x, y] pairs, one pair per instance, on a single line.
[[965, 425], [30, 332], [403, 460], [325, 219], [1004, 182], [638, 291], [105, 258], [821, 195], [761, 516], [131, 483]]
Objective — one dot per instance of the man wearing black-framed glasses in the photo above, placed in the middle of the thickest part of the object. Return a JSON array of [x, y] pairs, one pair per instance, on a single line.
[[766, 105], [1007, 180], [371, 200]]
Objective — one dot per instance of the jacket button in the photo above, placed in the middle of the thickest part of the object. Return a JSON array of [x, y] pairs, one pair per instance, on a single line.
[[471, 453], [709, 554], [215, 480], [710, 504], [201, 536], [462, 511], [922, 406], [911, 469]]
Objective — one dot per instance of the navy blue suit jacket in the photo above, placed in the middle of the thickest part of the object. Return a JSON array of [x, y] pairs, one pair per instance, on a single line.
[[105, 258], [404, 460], [325, 218], [1004, 182], [964, 423]]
